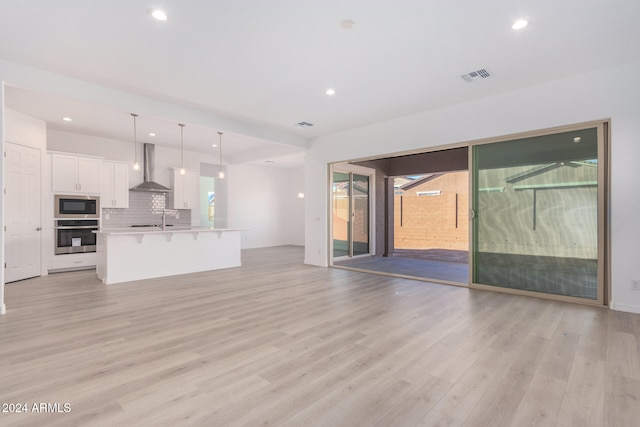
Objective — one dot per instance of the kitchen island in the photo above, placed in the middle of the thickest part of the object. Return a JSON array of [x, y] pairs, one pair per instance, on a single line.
[[126, 254]]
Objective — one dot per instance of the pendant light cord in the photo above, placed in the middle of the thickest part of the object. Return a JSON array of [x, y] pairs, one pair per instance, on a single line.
[[181, 148], [135, 140]]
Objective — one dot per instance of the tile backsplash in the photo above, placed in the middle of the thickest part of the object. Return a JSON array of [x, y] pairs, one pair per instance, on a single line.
[[145, 208]]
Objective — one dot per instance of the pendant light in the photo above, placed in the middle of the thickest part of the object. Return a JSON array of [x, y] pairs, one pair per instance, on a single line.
[[182, 171], [136, 165], [221, 173]]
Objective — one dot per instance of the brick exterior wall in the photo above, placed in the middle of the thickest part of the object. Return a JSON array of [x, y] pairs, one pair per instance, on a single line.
[[434, 222], [341, 218]]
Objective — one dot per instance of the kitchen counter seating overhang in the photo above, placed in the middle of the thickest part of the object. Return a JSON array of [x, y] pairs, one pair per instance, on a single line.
[[161, 253]]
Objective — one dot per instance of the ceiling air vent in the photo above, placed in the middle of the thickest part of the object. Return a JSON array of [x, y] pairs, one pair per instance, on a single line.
[[304, 124], [476, 75]]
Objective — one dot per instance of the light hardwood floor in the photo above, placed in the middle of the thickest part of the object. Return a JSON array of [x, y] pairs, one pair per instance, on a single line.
[[279, 343]]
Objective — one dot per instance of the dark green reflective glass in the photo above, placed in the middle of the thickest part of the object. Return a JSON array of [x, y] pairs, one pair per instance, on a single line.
[[536, 214]]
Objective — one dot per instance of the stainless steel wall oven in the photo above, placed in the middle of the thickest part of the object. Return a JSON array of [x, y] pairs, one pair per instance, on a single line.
[[75, 235]]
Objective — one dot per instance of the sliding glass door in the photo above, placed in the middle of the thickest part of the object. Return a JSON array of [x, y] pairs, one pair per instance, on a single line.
[[538, 214], [360, 214], [341, 207], [351, 214]]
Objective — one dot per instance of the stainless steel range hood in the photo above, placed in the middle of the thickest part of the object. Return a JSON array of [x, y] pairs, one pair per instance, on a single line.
[[149, 166]]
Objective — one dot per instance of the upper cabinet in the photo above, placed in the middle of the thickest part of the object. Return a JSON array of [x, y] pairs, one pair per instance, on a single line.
[[185, 190], [74, 174], [114, 184]]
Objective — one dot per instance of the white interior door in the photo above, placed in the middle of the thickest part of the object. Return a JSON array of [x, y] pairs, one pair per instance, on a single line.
[[22, 212]]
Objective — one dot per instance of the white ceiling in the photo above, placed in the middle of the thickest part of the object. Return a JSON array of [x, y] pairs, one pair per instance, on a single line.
[[98, 120], [270, 62]]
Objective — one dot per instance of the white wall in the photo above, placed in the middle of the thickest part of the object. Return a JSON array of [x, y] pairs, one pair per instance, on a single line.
[[294, 215], [608, 93], [78, 143], [265, 200], [3, 307], [25, 130]]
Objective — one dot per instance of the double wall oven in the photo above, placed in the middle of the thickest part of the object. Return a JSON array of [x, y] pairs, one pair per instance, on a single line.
[[76, 217]]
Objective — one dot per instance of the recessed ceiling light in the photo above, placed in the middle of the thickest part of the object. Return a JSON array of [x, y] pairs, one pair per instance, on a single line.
[[331, 92], [152, 134], [159, 14], [214, 145], [519, 24], [67, 119], [348, 24]]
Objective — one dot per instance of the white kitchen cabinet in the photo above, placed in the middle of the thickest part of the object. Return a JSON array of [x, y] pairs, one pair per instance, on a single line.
[[73, 174], [73, 262], [185, 190], [114, 185]]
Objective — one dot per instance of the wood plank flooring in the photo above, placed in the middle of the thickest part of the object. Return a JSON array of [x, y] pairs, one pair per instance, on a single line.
[[279, 343]]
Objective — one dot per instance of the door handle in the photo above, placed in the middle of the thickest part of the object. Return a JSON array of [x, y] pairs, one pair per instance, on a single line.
[[38, 228], [472, 214]]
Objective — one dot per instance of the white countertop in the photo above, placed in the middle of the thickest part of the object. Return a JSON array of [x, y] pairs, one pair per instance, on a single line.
[[167, 230]]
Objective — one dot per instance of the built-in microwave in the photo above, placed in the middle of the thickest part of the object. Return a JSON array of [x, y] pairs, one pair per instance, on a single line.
[[77, 206]]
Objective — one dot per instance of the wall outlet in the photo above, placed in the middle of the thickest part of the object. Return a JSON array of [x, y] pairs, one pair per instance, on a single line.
[[635, 285]]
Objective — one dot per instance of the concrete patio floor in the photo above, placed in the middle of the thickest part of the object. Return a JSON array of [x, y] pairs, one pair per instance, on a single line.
[[435, 264]]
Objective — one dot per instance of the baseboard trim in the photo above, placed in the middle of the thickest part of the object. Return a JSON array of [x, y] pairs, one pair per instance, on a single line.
[[624, 307]]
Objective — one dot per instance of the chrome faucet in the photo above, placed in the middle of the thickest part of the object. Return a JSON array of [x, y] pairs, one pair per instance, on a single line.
[[164, 219]]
